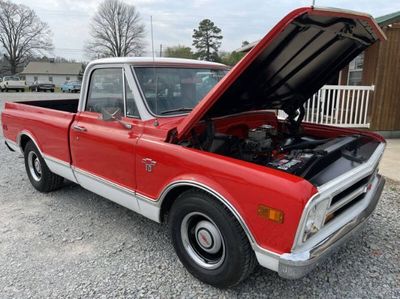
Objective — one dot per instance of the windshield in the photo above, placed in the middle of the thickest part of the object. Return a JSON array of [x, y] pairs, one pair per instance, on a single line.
[[11, 78], [172, 91]]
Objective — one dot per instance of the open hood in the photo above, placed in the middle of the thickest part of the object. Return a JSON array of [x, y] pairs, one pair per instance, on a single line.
[[292, 62]]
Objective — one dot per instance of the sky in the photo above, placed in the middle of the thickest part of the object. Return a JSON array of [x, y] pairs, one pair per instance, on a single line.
[[174, 20]]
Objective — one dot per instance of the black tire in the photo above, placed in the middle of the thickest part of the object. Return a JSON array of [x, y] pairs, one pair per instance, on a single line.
[[43, 180], [232, 263], [52, 90]]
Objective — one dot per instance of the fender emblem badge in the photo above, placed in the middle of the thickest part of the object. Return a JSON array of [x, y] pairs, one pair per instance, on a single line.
[[149, 164]]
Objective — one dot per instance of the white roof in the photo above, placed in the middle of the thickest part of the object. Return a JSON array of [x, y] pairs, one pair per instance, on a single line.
[[52, 68], [163, 60]]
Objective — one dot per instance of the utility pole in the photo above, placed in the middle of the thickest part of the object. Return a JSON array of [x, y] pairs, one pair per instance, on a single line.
[[160, 50], [313, 2]]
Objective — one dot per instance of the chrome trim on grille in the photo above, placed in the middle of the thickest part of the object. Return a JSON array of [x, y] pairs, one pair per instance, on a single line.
[[347, 199], [297, 264], [338, 185]]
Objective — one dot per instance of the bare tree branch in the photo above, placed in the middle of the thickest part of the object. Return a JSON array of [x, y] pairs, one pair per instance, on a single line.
[[22, 33], [116, 31]]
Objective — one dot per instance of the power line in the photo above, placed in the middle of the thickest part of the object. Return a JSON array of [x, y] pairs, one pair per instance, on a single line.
[[59, 12], [69, 49]]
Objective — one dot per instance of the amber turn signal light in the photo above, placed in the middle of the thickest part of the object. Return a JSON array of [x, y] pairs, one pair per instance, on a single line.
[[270, 214]]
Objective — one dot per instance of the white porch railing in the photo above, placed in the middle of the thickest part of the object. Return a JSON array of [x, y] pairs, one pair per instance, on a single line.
[[338, 105]]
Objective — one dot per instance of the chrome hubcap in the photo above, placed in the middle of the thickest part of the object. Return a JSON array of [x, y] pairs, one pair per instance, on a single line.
[[203, 240], [35, 168]]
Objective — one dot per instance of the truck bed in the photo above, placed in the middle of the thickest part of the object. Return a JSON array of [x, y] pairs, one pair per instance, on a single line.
[[48, 122], [68, 105]]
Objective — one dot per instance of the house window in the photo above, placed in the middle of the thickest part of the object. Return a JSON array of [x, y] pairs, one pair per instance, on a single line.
[[50, 78], [35, 78], [67, 78], [356, 70]]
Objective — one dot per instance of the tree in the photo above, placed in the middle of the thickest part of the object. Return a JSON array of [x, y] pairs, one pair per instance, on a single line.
[[231, 58], [179, 51], [116, 30], [207, 40], [22, 34]]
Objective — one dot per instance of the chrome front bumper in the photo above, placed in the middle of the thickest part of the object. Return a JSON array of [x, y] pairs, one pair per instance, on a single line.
[[297, 264]]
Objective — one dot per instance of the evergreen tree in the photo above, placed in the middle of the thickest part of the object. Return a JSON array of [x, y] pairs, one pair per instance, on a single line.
[[207, 40]]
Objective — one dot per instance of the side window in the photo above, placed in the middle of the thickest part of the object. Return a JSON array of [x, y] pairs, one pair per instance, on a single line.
[[131, 108], [106, 91]]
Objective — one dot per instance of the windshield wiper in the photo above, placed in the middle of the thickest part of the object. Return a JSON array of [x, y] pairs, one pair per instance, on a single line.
[[180, 109]]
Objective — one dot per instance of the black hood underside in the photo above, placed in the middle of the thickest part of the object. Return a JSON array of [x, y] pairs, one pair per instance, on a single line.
[[296, 64]]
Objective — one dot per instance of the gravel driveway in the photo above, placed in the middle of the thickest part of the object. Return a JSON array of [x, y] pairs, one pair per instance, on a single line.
[[72, 243]]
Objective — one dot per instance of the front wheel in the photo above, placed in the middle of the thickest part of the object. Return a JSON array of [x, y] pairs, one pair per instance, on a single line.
[[209, 241], [39, 174]]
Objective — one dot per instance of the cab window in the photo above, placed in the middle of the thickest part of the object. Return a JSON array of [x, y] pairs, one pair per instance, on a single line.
[[106, 91]]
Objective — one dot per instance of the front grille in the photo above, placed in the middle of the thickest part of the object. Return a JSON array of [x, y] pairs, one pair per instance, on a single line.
[[348, 198]]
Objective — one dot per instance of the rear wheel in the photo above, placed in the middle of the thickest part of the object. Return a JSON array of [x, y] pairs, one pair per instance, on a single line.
[[39, 174], [209, 241]]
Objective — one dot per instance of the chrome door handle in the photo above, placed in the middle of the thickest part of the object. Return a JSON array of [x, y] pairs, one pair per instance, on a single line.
[[79, 128]]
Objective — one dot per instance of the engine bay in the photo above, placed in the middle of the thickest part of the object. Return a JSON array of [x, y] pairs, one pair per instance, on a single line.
[[279, 147]]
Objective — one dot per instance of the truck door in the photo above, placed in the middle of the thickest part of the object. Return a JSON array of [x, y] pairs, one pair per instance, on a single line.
[[103, 151]]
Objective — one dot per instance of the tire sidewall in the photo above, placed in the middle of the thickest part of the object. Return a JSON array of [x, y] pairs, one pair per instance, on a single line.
[[229, 273], [41, 184]]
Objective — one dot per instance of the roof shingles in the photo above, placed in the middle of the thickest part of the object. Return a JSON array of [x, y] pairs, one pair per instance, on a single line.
[[388, 19], [52, 68]]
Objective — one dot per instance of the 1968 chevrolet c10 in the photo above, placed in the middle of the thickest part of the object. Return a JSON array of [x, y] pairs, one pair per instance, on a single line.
[[200, 147]]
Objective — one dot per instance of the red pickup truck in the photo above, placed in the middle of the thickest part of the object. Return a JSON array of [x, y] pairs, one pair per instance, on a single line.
[[199, 146]]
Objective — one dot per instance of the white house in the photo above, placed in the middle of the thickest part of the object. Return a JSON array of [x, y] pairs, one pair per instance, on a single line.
[[54, 72]]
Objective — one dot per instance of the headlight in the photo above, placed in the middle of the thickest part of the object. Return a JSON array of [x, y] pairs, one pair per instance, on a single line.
[[315, 219]]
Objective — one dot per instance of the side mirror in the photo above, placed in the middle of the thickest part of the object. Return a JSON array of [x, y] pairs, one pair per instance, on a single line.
[[111, 116], [115, 116]]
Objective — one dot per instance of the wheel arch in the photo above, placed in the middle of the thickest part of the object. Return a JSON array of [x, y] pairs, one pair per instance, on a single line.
[[173, 190], [23, 138]]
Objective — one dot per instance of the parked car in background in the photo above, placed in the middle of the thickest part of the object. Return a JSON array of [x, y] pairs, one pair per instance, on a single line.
[[42, 86], [71, 86], [12, 83]]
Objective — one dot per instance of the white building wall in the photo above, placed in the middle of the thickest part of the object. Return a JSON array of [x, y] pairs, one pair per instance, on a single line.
[[58, 80]]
